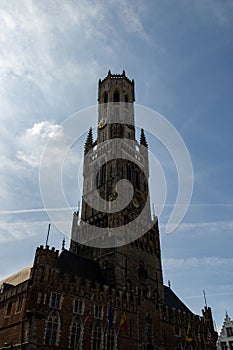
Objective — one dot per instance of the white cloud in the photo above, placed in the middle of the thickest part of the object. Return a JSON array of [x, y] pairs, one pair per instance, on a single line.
[[33, 141], [194, 262], [11, 231], [204, 228]]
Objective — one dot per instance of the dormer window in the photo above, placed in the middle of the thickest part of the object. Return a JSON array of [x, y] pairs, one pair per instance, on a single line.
[[116, 96]]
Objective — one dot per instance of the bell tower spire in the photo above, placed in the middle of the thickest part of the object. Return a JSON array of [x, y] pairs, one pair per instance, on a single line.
[[115, 113], [114, 156]]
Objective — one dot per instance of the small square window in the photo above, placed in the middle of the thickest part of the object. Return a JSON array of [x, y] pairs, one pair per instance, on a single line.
[[78, 306], [98, 312], [55, 300]]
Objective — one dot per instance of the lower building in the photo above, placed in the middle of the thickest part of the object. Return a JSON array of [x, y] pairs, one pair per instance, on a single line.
[[62, 302], [225, 339]]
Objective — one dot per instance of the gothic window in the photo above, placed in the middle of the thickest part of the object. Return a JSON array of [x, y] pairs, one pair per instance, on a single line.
[[39, 297], [19, 303], [110, 340], [97, 179], [103, 174], [137, 179], [119, 130], [96, 343], [52, 329], [105, 97], [9, 308], [126, 98], [103, 138], [126, 219], [126, 267], [78, 306], [129, 172], [113, 131], [142, 272], [55, 300], [76, 331], [116, 96], [149, 332]]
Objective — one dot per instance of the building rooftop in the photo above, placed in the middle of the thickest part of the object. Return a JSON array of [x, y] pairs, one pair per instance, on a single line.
[[79, 266], [18, 277], [172, 300]]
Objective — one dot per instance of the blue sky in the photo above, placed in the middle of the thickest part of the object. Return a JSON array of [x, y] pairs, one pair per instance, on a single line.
[[180, 55]]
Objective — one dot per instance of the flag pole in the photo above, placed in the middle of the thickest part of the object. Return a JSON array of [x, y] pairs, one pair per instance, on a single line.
[[47, 238], [205, 298]]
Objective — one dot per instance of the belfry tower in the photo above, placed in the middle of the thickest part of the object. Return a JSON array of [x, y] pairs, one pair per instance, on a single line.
[[135, 260]]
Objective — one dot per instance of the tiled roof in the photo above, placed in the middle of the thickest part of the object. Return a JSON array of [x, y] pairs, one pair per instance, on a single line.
[[172, 300], [18, 277]]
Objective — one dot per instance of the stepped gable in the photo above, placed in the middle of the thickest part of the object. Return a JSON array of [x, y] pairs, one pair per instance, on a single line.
[[172, 300], [76, 265]]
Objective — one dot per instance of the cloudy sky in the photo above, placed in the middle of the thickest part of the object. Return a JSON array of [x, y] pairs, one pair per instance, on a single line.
[[180, 54]]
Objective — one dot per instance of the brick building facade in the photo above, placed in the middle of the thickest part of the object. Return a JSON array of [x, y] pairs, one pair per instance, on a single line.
[[105, 292]]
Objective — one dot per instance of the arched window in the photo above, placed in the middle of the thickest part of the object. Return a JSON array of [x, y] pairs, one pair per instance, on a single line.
[[105, 97], [149, 332], [76, 333], [52, 329], [129, 172], [110, 340], [96, 338], [103, 174], [137, 179], [116, 96]]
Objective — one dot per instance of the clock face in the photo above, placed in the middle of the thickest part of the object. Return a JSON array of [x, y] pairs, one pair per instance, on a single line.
[[102, 123]]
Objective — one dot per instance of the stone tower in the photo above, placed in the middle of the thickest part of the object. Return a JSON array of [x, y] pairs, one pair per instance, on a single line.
[[116, 155]]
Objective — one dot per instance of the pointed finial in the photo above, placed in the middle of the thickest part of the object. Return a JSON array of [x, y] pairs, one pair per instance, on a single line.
[[89, 142], [123, 72], [143, 141], [63, 243], [109, 72], [153, 210]]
